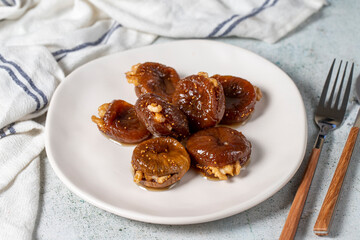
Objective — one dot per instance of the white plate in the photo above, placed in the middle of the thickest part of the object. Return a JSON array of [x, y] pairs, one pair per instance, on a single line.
[[98, 170]]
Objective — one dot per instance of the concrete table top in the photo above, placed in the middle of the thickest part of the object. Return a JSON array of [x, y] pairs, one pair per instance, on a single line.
[[305, 55]]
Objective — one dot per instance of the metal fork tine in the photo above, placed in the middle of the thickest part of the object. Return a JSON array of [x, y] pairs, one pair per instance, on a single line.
[[334, 87], [347, 91], [336, 105], [326, 86]]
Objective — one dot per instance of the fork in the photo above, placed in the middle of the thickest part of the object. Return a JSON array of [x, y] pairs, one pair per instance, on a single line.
[[324, 219], [328, 116]]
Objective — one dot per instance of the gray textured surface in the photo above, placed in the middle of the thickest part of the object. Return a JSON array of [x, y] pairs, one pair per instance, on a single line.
[[305, 55]]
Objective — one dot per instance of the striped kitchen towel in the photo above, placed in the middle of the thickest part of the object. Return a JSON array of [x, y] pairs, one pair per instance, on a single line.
[[41, 41], [28, 78]]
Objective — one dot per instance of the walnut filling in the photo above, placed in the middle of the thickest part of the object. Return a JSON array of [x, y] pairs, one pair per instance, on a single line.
[[139, 176], [212, 80], [258, 93], [99, 121], [131, 75], [102, 109], [101, 112], [204, 74], [221, 173], [156, 109]]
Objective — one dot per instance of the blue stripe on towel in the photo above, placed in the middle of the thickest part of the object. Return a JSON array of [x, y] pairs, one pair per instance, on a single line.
[[2, 133], [11, 128], [6, 3], [27, 78], [86, 44], [20, 84], [253, 13], [215, 31]]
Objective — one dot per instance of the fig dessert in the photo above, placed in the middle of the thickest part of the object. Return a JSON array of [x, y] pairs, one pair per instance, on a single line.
[[159, 162], [118, 121], [202, 100], [160, 117], [240, 98], [151, 77], [219, 152]]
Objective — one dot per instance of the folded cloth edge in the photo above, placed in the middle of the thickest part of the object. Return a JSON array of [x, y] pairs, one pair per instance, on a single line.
[[291, 26]]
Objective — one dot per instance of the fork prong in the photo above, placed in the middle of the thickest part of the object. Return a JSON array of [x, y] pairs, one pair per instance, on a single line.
[[336, 105], [347, 91], [334, 86], [326, 86]]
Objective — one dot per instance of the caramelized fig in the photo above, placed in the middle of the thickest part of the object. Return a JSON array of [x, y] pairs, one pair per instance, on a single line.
[[159, 162], [160, 117], [219, 152], [154, 78], [119, 122], [240, 98], [201, 99]]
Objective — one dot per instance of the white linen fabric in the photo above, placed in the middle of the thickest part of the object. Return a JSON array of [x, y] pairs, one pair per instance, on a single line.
[[41, 41]]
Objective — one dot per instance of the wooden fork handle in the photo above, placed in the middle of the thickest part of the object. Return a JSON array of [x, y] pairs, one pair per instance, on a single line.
[[297, 206], [323, 221]]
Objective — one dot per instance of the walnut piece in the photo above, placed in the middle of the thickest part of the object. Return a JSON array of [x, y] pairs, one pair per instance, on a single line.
[[230, 169]]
